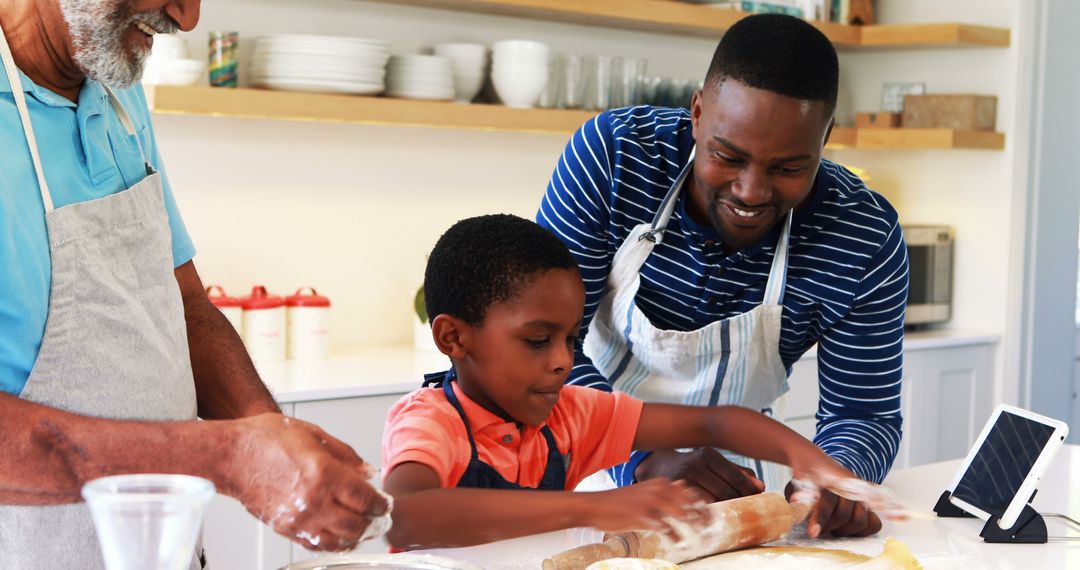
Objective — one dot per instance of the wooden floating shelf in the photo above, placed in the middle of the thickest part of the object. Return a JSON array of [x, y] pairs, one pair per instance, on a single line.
[[326, 108], [669, 17], [914, 139]]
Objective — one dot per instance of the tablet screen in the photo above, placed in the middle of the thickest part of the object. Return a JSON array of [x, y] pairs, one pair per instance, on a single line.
[[1003, 462]]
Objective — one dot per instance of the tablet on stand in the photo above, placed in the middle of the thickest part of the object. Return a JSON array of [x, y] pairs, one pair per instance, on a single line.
[[1000, 475]]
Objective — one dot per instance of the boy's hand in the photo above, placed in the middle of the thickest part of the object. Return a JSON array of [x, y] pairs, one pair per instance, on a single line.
[[645, 506], [303, 483]]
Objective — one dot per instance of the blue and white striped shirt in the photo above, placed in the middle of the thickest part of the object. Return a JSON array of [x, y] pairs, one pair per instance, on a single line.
[[847, 278]]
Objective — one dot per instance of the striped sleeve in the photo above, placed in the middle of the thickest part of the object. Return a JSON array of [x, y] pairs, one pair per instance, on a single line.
[[576, 208], [860, 362]]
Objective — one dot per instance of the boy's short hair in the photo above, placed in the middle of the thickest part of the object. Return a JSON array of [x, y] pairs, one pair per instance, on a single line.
[[485, 260], [778, 53]]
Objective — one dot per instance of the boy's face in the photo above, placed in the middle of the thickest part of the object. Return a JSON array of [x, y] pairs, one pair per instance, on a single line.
[[518, 359]]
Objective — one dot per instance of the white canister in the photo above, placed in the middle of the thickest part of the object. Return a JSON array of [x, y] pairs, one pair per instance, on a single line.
[[264, 325], [231, 307], [308, 319]]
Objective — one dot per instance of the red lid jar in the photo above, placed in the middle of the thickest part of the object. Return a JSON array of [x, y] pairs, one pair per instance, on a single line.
[[231, 307], [220, 299], [264, 325], [308, 330], [311, 298], [260, 300]]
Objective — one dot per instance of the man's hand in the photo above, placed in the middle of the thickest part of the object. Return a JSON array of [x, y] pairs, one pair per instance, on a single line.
[[703, 468], [838, 517], [303, 483]]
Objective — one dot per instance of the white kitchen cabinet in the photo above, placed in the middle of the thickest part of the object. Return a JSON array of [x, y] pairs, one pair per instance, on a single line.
[[948, 403], [946, 396]]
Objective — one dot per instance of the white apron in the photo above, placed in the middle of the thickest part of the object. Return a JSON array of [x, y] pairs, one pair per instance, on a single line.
[[731, 361], [115, 341]]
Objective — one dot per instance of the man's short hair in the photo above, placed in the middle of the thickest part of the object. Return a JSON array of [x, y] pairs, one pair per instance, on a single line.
[[485, 260], [778, 53]]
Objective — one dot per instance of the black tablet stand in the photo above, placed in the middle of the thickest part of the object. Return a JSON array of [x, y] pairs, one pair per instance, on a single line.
[[1029, 528]]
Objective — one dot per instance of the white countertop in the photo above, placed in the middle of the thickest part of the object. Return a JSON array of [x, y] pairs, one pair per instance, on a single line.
[[938, 543], [373, 371], [377, 371]]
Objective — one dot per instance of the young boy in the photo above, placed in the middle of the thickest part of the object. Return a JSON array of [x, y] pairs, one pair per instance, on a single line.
[[494, 448]]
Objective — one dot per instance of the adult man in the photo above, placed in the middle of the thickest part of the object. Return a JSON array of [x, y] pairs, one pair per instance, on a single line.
[[100, 302], [717, 247]]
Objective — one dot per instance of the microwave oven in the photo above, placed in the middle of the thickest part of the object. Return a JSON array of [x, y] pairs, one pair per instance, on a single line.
[[930, 271]]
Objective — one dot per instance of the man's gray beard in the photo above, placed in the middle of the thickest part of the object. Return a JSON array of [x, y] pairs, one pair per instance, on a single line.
[[97, 30]]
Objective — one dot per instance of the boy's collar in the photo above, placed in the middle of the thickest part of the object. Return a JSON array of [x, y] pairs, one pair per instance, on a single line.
[[481, 418]]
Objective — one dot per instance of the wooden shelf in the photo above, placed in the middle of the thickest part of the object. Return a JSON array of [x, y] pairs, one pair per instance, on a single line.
[[914, 139], [297, 106], [671, 17]]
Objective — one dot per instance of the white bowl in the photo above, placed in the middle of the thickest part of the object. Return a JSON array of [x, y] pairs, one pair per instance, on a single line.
[[170, 46], [461, 51], [520, 90], [420, 60], [164, 71], [466, 87], [520, 49], [520, 67]]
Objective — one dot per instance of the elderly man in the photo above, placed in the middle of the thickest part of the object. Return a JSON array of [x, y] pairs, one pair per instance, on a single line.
[[717, 246], [109, 348]]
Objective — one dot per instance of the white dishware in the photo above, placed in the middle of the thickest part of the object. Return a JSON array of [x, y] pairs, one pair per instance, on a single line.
[[520, 50], [467, 86], [173, 71], [148, 522], [519, 88], [326, 64], [459, 51], [418, 76], [321, 86], [170, 46]]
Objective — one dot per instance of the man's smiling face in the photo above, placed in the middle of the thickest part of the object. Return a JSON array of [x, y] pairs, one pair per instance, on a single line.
[[757, 156]]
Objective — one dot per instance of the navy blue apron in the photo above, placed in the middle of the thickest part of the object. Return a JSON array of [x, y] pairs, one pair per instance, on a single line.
[[480, 475]]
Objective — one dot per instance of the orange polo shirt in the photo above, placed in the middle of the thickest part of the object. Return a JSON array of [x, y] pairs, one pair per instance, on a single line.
[[596, 428]]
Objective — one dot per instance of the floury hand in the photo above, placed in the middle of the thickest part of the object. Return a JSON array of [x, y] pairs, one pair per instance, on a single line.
[[302, 482]]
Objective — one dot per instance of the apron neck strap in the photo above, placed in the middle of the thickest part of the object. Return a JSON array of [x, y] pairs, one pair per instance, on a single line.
[[24, 114], [774, 288], [28, 130], [667, 207]]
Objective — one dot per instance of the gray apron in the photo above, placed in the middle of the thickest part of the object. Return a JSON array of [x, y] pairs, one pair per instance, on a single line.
[[115, 342]]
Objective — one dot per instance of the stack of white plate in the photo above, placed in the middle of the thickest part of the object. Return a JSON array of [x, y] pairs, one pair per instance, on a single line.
[[420, 77], [325, 64]]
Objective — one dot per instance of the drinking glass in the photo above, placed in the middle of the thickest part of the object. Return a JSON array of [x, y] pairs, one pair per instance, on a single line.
[[148, 521], [571, 81], [625, 88], [597, 83]]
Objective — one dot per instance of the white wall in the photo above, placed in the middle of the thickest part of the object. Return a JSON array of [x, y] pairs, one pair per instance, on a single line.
[[352, 210]]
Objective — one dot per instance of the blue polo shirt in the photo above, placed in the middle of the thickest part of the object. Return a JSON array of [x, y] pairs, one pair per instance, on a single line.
[[86, 154]]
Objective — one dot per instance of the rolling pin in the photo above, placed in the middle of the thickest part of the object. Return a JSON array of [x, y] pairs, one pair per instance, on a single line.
[[734, 524]]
